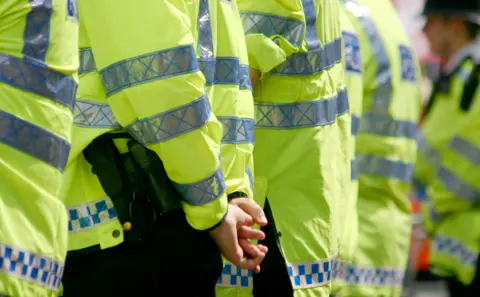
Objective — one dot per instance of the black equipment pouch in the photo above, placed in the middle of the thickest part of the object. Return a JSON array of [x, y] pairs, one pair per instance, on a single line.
[[136, 182]]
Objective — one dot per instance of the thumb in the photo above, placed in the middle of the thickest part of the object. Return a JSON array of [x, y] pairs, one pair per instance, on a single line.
[[251, 208]]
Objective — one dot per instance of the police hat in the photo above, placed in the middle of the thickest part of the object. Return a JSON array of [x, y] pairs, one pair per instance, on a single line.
[[466, 9]]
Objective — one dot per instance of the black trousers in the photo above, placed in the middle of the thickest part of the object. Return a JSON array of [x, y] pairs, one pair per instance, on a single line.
[[457, 289], [177, 261], [273, 279]]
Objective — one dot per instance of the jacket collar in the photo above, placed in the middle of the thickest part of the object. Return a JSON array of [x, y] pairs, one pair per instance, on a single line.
[[471, 50]]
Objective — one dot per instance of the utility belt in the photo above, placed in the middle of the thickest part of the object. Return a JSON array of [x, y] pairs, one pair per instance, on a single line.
[[135, 181]]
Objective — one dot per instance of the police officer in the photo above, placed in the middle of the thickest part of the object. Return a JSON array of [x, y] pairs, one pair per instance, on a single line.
[[302, 148], [38, 81], [449, 147], [386, 150], [162, 71], [354, 80]]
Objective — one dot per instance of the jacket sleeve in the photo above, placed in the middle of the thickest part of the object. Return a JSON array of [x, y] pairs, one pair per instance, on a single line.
[[457, 183], [144, 52], [274, 30]]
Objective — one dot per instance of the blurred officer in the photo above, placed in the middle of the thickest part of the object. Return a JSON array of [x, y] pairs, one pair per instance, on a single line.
[[156, 70], [354, 81], [386, 150], [38, 65], [302, 150], [449, 147]]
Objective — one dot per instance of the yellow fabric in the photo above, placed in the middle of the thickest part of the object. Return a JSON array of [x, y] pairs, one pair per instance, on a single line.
[[386, 151], [354, 81], [453, 195], [231, 103], [36, 117], [435, 131], [144, 76], [305, 163]]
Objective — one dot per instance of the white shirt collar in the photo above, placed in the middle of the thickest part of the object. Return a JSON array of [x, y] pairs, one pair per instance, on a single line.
[[472, 49]]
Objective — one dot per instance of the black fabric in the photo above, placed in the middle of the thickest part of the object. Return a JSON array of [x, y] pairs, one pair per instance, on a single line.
[[469, 9], [457, 289], [176, 261], [273, 279]]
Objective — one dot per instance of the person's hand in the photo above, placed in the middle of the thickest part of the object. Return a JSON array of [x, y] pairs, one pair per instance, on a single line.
[[252, 208], [232, 245], [254, 75]]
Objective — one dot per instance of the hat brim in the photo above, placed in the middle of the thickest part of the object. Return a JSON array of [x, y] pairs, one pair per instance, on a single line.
[[473, 17]]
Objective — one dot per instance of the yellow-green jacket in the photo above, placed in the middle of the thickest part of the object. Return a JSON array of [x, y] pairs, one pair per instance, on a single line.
[[302, 130], [38, 81], [354, 81], [155, 89], [451, 213], [386, 151]]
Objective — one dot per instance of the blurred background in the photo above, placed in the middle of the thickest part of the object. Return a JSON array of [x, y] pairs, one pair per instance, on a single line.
[[419, 282]]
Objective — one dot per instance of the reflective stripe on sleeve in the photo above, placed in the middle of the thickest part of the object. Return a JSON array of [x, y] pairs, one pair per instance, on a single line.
[[33, 140], [453, 248], [204, 191], [385, 168], [172, 123], [271, 25], [148, 67], [301, 114], [30, 76]]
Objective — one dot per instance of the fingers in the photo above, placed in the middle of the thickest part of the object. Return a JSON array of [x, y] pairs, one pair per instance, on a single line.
[[250, 233], [252, 208], [257, 255]]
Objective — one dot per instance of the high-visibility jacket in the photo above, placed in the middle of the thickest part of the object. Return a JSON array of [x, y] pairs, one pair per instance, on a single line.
[[451, 211], [354, 81], [436, 133], [302, 130], [38, 81], [184, 70], [386, 151]]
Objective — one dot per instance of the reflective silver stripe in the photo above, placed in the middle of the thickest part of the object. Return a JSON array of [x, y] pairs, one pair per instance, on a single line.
[[453, 248], [427, 151], [32, 267], [204, 191], [381, 167], [355, 124], [90, 214], [226, 70], [237, 130], [87, 61], [368, 275], [466, 149], [36, 36], [219, 70], [353, 170], [172, 123], [312, 62], [248, 171], [456, 186], [149, 67], [386, 126], [311, 35], [33, 140], [36, 78], [94, 115], [301, 114], [377, 120], [302, 275], [205, 37], [271, 25]]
